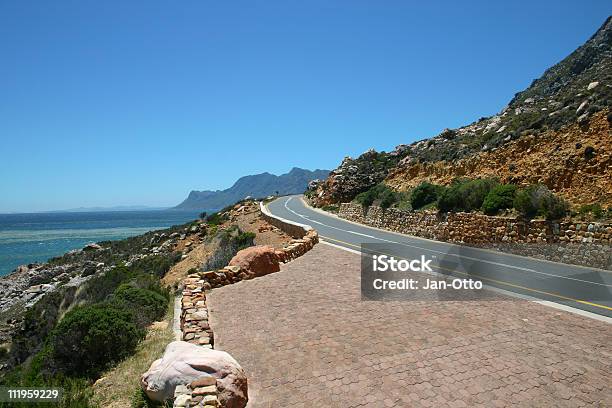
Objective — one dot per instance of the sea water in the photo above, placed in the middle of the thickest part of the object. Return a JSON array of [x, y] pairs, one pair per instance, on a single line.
[[28, 238]]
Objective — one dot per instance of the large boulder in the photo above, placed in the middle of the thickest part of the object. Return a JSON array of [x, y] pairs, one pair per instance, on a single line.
[[183, 363], [258, 260]]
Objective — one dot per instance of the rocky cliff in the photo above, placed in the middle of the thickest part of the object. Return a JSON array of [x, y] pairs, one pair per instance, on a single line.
[[555, 132]]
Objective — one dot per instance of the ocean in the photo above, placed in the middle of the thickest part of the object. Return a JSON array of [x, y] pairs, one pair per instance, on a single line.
[[28, 238]]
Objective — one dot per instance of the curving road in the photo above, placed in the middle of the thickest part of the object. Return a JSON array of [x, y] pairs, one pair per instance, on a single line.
[[578, 287]]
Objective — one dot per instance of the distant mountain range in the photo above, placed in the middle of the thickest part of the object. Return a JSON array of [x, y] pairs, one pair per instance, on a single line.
[[257, 186]]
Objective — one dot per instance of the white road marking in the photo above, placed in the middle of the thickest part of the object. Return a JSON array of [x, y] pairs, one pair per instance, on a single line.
[[441, 252]]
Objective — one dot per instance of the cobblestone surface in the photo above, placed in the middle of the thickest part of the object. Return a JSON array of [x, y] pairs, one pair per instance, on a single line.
[[306, 339]]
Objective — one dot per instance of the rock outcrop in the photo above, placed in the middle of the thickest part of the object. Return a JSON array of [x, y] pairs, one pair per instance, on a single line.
[[555, 132], [185, 363], [352, 177], [259, 260], [558, 159]]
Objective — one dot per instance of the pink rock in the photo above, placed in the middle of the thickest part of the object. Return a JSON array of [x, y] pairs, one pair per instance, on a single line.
[[183, 363], [259, 260]]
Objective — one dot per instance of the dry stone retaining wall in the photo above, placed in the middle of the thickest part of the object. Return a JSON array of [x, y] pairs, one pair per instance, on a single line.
[[195, 329], [587, 244]]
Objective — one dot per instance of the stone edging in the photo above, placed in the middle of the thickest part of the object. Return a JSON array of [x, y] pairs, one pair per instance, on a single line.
[[294, 229], [195, 329], [194, 323]]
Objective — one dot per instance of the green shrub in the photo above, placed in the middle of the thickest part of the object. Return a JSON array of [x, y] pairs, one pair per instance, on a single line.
[[425, 193], [465, 194], [90, 339], [216, 218], [367, 198], [157, 265], [554, 207], [244, 240], [499, 198], [525, 202], [387, 198], [146, 305], [381, 193], [537, 199], [227, 243], [144, 273], [594, 209]]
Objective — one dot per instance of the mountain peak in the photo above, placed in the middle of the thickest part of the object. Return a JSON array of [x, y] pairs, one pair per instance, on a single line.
[[255, 185]]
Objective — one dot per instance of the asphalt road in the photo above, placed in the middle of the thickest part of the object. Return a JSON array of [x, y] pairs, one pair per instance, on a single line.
[[584, 288]]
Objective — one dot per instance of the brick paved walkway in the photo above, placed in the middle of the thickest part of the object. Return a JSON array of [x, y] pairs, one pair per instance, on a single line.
[[306, 339]]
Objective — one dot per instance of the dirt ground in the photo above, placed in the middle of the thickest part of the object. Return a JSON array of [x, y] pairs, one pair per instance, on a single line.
[[247, 217]]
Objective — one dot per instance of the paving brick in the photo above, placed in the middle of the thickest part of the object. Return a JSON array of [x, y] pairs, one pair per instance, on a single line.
[[305, 338]]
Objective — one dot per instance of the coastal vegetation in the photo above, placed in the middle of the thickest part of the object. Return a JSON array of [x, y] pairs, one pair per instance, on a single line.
[[97, 318], [106, 327], [468, 195]]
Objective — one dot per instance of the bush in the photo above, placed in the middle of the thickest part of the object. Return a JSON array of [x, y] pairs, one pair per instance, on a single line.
[[526, 203], [425, 193], [499, 198], [217, 218], [143, 272], [227, 243], [146, 306], [387, 199], [554, 207], [367, 198], [90, 339], [465, 195], [157, 265], [537, 199], [244, 240], [595, 209], [381, 193]]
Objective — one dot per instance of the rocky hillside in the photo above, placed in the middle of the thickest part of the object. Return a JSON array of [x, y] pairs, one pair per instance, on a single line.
[[257, 186], [555, 132]]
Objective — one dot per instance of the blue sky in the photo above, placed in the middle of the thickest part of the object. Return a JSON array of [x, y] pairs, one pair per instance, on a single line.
[[137, 103]]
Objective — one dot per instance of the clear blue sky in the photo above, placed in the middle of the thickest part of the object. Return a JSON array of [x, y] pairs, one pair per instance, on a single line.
[[108, 103]]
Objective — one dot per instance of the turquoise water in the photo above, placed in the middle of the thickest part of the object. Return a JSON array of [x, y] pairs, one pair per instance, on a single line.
[[28, 238]]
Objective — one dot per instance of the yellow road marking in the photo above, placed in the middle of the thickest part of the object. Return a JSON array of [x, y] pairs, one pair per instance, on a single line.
[[493, 280]]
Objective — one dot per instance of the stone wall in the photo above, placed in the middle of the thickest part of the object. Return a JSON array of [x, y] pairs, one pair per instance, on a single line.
[[587, 244], [291, 228]]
